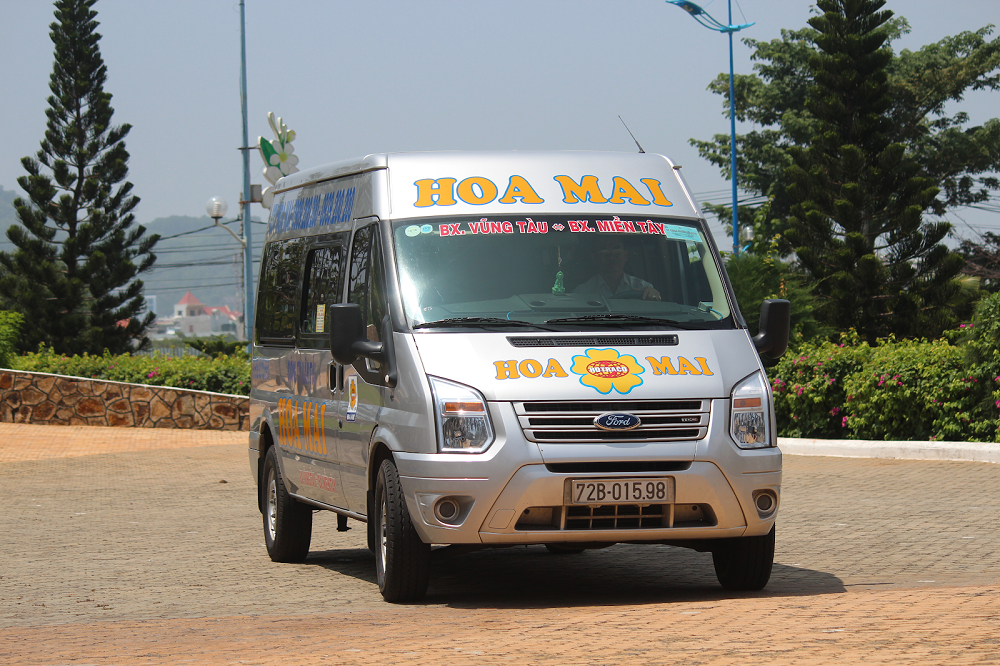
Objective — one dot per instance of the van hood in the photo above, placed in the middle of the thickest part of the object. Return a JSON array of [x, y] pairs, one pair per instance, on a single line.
[[583, 366]]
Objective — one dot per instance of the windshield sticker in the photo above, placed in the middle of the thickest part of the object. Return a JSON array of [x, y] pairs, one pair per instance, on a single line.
[[413, 230], [320, 318], [663, 366], [606, 370], [579, 226], [484, 227], [615, 225], [677, 232], [529, 226]]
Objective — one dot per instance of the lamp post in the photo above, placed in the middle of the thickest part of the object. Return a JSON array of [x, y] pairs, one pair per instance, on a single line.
[[702, 17], [246, 198]]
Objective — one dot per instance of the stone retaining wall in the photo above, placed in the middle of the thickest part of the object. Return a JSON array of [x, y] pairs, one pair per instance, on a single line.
[[36, 397]]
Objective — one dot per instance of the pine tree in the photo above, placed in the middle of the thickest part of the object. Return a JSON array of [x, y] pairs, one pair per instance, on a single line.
[[857, 198], [925, 86], [79, 251]]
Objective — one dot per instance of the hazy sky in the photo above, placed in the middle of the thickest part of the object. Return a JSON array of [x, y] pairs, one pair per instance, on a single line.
[[370, 76]]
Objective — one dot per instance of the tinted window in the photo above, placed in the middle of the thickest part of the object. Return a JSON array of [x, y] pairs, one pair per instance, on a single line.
[[367, 286], [278, 285], [559, 267], [322, 287]]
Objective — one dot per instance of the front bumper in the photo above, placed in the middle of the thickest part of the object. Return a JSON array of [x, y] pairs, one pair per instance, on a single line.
[[512, 493]]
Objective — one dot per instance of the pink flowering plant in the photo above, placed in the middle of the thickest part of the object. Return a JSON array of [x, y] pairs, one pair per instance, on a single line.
[[914, 390], [808, 385], [944, 390]]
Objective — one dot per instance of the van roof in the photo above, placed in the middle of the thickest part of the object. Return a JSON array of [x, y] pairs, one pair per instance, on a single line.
[[546, 171]]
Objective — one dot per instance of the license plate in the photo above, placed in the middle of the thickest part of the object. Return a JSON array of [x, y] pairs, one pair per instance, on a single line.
[[658, 490]]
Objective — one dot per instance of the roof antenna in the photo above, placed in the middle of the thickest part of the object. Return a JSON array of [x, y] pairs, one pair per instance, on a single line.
[[631, 135]]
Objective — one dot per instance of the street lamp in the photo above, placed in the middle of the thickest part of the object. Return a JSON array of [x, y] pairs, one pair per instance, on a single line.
[[702, 17], [216, 209]]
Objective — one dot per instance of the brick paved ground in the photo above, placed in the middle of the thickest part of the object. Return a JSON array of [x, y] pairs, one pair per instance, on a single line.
[[123, 546]]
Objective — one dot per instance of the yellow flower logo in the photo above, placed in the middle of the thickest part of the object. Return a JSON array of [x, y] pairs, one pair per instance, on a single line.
[[606, 369]]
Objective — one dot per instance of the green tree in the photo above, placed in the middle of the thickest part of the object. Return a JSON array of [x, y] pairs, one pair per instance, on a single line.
[[78, 251], [847, 159], [757, 277], [959, 159]]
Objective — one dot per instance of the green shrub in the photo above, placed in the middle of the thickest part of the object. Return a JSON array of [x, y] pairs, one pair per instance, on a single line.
[[223, 374], [810, 399], [946, 389], [10, 330], [916, 390]]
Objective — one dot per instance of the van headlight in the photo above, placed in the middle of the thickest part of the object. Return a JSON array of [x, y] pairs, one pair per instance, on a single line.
[[750, 415], [463, 423]]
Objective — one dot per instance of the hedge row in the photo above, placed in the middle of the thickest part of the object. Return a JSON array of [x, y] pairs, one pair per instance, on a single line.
[[223, 374], [923, 390]]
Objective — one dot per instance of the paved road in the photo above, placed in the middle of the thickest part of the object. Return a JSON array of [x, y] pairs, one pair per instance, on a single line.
[[132, 546]]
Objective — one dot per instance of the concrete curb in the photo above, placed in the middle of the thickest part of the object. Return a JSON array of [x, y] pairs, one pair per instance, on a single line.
[[987, 452]]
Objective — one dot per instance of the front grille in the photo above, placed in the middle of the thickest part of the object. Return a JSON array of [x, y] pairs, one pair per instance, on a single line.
[[662, 420], [615, 517], [618, 517], [595, 341]]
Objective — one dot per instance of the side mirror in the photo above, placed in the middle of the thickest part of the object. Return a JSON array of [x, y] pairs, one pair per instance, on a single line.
[[348, 344], [775, 322], [346, 327]]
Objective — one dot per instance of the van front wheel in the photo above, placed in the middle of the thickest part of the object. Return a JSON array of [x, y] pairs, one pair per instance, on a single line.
[[287, 522], [744, 563], [402, 560]]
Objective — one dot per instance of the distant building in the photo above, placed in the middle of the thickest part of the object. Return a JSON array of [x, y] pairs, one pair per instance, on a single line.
[[192, 318]]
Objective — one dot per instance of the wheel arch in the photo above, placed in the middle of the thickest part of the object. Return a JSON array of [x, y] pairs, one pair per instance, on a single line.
[[379, 452], [266, 442]]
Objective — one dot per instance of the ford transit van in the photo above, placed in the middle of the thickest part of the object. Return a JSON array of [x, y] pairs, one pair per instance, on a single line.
[[490, 349]]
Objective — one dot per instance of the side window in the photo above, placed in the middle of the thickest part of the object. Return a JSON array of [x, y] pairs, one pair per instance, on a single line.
[[321, 287], [367, 285], [278, 285]]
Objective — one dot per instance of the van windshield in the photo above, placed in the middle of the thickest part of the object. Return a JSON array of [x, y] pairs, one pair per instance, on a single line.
[[559, 273]]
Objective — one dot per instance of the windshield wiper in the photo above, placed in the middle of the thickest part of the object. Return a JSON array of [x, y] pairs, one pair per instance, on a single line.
[[479, 321], [624, 319]]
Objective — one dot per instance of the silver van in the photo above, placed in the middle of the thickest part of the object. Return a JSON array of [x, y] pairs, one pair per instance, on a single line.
[[504, 348]]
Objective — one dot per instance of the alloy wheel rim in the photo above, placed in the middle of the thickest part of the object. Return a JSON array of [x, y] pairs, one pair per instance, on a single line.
[[272, 504], [383, 534]]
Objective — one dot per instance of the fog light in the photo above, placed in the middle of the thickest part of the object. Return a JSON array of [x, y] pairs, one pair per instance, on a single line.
[[446, 510], [766, 502]]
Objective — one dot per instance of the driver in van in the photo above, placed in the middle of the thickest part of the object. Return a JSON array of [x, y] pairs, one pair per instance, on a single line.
[[610, 278]]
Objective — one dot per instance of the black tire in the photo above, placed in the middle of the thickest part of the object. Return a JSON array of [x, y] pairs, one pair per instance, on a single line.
[[744, 563], [287, 522], [560, 549], [402, 560]]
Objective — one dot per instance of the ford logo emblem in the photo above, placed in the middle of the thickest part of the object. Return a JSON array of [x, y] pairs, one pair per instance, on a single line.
[[612, 421]]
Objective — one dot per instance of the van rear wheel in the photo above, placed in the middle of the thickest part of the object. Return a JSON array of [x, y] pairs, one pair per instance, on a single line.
[[402, 560], [287, 522], [744, 563]]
